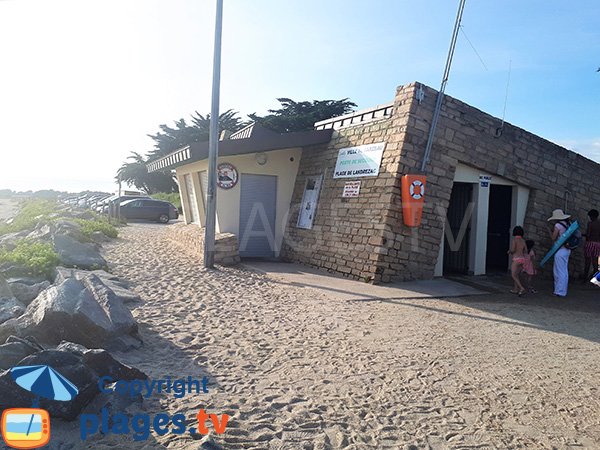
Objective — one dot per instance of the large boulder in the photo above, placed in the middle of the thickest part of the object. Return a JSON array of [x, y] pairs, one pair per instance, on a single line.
[[15, 349], [9, 240], [83, 311], [121, 288], [77, 254], [76, 367], [25, 289], [46, 231], [10, 307]]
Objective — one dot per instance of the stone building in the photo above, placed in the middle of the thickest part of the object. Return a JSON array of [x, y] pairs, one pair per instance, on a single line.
[[483, 178]]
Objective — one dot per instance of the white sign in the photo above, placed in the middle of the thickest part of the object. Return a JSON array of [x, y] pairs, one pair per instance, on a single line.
[[351, 189], [361, 161], [485, 180]]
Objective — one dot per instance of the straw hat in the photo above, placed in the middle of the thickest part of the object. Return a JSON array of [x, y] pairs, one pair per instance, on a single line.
[[558, 214]]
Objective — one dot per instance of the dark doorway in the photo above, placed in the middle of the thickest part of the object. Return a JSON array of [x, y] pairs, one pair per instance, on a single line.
[[456, 247], [498, 235]]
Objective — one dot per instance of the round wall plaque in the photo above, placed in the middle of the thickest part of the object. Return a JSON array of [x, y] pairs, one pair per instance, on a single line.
[[227, 176]]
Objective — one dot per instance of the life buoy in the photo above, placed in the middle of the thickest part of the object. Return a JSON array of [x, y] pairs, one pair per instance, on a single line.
[[417, 190]]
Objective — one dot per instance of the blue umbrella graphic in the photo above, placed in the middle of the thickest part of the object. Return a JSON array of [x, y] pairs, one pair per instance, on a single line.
[[43, 381]]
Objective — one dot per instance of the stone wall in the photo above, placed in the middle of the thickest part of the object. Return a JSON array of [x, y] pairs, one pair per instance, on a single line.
[[348, 233], [365, 237], [469, 136], [190, 238]]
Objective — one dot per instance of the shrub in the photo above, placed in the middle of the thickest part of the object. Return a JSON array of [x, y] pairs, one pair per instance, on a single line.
[[39, 258], [31, 212], [171, 197], [98, 224]]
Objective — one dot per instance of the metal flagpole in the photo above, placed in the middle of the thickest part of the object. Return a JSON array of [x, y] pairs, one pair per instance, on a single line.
[[440, 96], [213, 146]]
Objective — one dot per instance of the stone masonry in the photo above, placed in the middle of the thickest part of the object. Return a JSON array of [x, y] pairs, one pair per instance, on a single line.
[[365, 237], [190, 238]]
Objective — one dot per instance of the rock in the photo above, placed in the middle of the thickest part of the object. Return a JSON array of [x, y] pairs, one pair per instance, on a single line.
[[84, 370], [77, 254], [11, 269], [10, 308], [5, 290], [25, 292], [67, 364], [99, 237], [9, 240], [81, 311], [114, 283], [15, 349]]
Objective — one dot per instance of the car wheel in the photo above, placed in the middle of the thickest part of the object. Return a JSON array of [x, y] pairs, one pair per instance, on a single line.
[[163, 218]]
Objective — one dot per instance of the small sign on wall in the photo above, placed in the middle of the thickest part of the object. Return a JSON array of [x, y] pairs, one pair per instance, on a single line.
[[485, 180], [351, 189]]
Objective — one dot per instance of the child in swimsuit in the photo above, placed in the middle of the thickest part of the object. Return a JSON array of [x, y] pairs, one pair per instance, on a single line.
[[518, 250], [528, 266]]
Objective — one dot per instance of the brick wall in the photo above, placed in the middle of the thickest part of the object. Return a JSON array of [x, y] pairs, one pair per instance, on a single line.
[[190, 238]]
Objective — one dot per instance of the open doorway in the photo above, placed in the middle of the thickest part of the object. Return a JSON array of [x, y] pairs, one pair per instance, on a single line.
[[499, 221], [456, 243]]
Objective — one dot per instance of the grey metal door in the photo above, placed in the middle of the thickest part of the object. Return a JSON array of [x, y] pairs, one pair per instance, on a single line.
[[258, 202]]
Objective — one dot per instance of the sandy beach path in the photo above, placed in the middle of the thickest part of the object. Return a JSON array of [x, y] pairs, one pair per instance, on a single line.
[[298, 370]]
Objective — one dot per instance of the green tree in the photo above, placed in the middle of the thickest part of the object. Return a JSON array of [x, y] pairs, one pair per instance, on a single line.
[[301, 116], [170, 139], [134, 172]]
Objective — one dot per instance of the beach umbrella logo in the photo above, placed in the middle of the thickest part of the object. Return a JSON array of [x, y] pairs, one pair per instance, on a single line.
[[26, 428]]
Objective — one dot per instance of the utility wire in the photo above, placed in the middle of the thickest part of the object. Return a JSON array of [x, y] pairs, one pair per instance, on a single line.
[[473, 47]]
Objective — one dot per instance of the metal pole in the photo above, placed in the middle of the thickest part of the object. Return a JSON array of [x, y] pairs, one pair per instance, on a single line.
[[213, 147], [440, 96]]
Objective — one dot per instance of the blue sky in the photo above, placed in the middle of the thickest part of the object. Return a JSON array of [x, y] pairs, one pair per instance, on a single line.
[[83, 82]]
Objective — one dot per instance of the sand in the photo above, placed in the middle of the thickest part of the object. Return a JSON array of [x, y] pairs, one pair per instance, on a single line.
[[299, 370]]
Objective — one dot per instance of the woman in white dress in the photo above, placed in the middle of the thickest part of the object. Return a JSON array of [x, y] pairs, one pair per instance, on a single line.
[[560, 222]]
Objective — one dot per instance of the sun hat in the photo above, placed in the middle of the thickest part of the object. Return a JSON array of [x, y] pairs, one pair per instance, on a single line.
[[558, 214]]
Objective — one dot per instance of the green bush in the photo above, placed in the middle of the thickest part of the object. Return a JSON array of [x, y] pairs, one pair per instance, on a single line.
[[171, 197], [31, 212], [98, 224], [39, 258]]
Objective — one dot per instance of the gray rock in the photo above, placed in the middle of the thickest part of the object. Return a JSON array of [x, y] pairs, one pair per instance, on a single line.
[[5, 291], [25, 292], [67, 364], [13, 352], [10, 308], [77, 254], [83, 368], [99, 237], [119, 287], [9, 240], [81, 311]]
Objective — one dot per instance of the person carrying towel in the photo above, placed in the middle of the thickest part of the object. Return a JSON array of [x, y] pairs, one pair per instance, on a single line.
[[560, 222]]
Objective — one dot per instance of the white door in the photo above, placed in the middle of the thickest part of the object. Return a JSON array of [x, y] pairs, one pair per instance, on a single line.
[[191, 198]]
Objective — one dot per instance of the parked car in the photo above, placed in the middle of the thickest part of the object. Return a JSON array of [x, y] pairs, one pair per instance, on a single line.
[[149, 209], [114, 200]]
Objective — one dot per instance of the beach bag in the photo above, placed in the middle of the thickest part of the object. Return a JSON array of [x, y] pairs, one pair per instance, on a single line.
[[575, 240]]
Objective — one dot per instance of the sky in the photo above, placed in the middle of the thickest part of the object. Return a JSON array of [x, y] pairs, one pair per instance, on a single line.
[[83, 82]]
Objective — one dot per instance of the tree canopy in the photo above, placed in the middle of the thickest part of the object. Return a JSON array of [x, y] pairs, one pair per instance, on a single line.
[[301, 116], [292, 116]]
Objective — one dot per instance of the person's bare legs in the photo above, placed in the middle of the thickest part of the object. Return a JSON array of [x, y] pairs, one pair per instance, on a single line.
[[515, 270]]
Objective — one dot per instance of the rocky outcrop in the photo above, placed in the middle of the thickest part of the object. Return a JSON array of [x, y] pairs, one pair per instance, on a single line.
[[73, 253], [80, 366], [84, 311]]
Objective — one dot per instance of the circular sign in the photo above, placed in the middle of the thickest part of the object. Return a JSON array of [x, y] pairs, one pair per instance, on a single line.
[[227, 176]]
